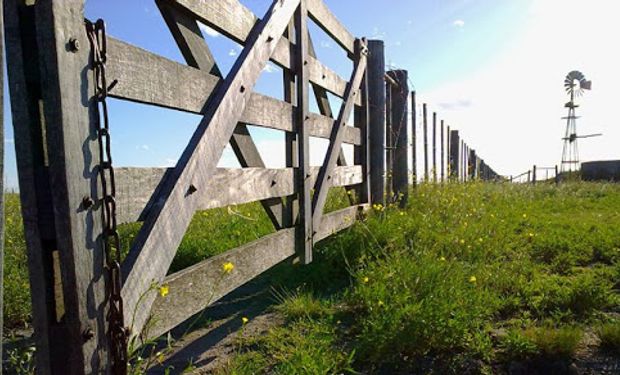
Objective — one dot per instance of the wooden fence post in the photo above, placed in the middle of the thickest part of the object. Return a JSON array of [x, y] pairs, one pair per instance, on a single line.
[[56, 146], [472, 164], [377, 114], [442, 153], [414, 139], [557, 176], [389, 141], [454, 154], [448, 168], [534, 174], [434, 146], [425, 133], [529, 176], [399, 130], [304, 235], [361, 154], [462, 156]]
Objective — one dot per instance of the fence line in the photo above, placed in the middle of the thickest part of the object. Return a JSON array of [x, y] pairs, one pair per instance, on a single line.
[[51, 60]]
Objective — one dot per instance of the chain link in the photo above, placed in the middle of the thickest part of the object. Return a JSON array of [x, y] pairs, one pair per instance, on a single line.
[[117, 333]]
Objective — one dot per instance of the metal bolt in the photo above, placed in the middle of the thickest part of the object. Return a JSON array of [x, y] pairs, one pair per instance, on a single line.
[[191, 190], [87, 202], [74, 45], [88, 334]]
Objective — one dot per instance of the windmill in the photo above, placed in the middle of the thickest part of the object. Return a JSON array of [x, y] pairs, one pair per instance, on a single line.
[[575, 83]]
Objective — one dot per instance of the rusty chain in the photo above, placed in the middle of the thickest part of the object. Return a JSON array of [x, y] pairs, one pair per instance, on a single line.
[[117, 333]]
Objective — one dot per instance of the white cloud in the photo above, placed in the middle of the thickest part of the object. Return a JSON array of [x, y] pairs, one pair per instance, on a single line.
[[458, 23], [143, 147], [269, 68], [208, 30], [377, 33], [325, 44], [232, 52], [169, 163]]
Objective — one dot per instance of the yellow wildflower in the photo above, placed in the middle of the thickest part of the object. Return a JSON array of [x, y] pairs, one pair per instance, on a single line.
[[366, 279], [228, 267], [531, 234], [462, 241], [244, 320], [524, 216], [164, 289], [401, 213], [380, 303], [443, 259], [472, 279], [160, 357]]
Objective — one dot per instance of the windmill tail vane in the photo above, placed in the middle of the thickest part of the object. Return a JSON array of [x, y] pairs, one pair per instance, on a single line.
[[575, 84]]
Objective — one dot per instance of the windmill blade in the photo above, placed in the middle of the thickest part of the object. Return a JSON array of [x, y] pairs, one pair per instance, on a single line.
[[585, 85]]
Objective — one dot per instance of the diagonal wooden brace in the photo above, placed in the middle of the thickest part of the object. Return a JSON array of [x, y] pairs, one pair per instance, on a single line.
[[161, 234], [323, 180], [195, 50]]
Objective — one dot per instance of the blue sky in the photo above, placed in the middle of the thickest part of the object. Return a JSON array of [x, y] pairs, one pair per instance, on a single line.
[[473, 61]]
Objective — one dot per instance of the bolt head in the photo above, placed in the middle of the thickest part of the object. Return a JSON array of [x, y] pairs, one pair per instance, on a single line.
[[74, 45]]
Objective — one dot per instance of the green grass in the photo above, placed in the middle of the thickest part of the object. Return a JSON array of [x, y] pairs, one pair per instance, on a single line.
[[424, 289], [210, 233], [609, 334]]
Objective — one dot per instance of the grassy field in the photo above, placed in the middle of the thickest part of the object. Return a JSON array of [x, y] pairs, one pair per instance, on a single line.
[[468, 278], [234, 226], [476, 278]]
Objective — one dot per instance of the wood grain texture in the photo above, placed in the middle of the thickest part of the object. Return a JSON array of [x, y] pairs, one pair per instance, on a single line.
[[331, 157], [137, 188], [234, 20], [145, 77], [25, 93], [304, 232], [320, 13], [159, 237], [376, 126], [72, 153], [399, 107], [198, 286], [196, 53]]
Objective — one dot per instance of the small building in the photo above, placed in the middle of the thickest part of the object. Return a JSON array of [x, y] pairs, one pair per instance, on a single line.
[[601, 170]]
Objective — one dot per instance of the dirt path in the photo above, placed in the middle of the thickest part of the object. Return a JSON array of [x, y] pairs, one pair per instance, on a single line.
[[210, 346]]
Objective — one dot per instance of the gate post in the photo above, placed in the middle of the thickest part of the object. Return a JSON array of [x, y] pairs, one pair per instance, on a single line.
[[57, 156], [376, 120], [399, 132]]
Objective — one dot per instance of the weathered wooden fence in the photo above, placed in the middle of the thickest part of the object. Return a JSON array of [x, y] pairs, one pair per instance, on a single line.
[[60, 74]]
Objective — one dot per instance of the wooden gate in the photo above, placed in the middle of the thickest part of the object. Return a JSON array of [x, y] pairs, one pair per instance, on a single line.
[[51, 85]]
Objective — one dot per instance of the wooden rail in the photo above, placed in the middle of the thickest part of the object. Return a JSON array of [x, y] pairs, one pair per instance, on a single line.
[[53, 101], [165, 199]]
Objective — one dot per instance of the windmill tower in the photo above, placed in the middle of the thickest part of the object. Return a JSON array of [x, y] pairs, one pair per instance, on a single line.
[[574, 83]]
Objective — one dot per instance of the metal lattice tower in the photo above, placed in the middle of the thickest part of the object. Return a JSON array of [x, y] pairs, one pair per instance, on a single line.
[[575, 83]]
